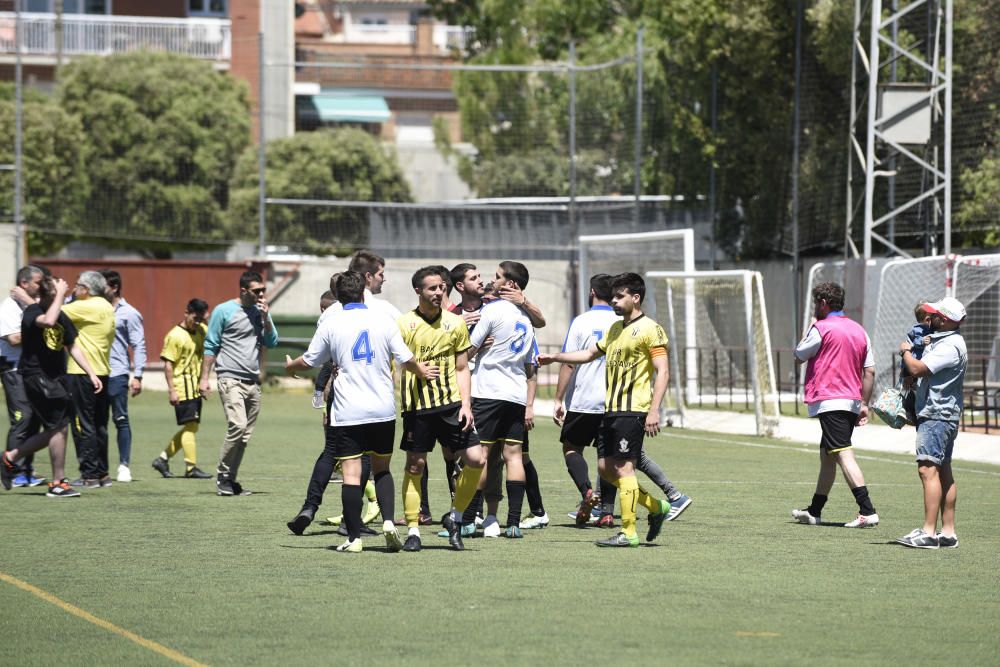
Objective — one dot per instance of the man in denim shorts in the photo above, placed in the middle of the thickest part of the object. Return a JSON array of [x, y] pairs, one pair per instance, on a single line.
[[941, 372]]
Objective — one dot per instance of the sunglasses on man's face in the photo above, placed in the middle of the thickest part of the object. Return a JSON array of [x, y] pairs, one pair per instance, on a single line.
[[259, 291]]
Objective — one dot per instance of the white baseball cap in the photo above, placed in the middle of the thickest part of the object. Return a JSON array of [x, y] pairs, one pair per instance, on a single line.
[[948, 307]]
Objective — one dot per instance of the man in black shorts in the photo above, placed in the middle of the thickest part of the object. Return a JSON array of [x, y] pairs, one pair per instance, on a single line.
[[46, 334], [840, 373]]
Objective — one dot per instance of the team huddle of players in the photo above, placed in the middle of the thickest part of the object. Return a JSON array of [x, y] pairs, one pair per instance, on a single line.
[[467, 381]]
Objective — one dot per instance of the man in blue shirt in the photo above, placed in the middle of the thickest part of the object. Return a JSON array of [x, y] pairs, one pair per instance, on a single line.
[[129, 333], [237, 332], [941, 370]]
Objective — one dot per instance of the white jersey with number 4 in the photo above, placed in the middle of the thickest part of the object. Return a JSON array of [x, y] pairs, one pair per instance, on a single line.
[[499, 371], [586, 390], [362, 344]]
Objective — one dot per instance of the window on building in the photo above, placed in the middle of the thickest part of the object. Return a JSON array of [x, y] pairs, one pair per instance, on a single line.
[[207, 7], [70, 6]]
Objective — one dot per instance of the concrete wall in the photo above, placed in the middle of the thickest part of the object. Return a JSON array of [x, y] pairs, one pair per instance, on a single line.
[[8, 257]]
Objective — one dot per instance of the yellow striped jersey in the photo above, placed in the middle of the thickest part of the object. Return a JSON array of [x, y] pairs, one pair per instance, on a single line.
[[629, 350], [184, 349], [436, 341]]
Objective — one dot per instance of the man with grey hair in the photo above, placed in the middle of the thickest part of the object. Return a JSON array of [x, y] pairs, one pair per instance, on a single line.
[[94, 318]]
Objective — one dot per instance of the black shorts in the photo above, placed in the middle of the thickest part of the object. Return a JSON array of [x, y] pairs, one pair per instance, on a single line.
[[524, 445], [838, 427], [188, 411], [620, 436], [580, 428], [421, 430], [50, 401], [498, 420], [350, 442]]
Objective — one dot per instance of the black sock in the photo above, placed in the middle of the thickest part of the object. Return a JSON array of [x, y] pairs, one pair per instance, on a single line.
[[350, 496], [515, 496], [532, 490], [366, 469], [425, 503], [449, 470], [577, 467], [864, 502], [608, 494], [474, 508], [385, 494], [817, 505]]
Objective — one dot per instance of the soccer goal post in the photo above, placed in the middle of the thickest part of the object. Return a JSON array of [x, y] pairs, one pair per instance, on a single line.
[[638, 252], [724, 314]]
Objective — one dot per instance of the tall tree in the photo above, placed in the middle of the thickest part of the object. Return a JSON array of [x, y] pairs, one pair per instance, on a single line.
[[164, 132]]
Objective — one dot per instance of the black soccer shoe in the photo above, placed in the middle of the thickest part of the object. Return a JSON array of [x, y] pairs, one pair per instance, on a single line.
[[302, 520], [161, 466], [412, 543], [196, 473], [455, 535]]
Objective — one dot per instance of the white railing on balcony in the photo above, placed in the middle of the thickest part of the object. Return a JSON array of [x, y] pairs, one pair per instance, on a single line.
[[450, 37], [88, 34], [393, 33]]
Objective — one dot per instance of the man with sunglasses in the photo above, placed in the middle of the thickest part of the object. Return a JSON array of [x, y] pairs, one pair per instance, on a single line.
[[237, 331]]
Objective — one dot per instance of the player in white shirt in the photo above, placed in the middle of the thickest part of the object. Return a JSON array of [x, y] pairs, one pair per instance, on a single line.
[[500, 391], [362, 411], [579, 407], [372, 267]]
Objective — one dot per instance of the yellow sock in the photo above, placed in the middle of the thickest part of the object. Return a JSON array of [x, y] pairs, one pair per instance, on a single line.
[[190, 444], [649, 502], [465, 487], [411, 499], [628, 491], [370, 491]]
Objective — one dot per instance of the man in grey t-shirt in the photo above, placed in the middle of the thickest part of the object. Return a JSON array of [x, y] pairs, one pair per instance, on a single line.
[[941, 373], [237, 332]]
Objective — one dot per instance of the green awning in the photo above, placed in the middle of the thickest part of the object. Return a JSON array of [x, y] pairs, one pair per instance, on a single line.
[[346, 109]]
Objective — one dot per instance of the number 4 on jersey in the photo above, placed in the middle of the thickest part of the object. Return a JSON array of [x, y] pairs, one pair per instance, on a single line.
[[362, 350]]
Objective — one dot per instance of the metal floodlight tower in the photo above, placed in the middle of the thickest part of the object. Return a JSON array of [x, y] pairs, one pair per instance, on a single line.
[[899, 124]]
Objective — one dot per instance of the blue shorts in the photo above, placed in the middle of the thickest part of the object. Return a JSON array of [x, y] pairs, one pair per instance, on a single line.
[[935, 441]]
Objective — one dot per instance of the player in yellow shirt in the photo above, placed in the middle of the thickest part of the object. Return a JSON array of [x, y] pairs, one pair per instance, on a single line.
[[94, 318], [636, 376], [437, 409], [183, 348]]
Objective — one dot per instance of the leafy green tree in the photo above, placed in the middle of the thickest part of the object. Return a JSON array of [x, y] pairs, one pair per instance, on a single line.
[[55, 177], [164, 132], [345, 164]]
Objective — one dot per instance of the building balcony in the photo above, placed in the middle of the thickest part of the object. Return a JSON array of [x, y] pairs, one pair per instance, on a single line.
[[445, 38], [97, 35]]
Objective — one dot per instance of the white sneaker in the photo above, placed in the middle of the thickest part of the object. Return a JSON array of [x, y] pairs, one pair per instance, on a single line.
[[317, 400], [124, 474], [863, 521], [351, 546], [491, 527], [535, 521], [803, 516], [392, 541]]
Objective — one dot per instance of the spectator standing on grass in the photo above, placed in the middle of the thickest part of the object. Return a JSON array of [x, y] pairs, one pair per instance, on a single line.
[[129, 334], [183, 349], [46, 335], [941, 373], [94, 319], [238, 331], [23, 422], [840, 373]]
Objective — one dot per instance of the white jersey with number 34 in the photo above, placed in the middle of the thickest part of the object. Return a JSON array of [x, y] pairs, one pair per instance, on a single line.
[[499, 370], [362, 344]]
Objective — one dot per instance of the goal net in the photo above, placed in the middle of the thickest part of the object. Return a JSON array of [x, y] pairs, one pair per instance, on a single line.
[[977, 286], [720, 352]]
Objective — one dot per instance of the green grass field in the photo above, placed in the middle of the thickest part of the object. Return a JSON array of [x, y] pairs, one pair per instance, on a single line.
[[734, 581]]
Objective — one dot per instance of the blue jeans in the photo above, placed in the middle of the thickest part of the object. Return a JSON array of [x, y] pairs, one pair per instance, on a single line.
[[118, 393], [935, 441]]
